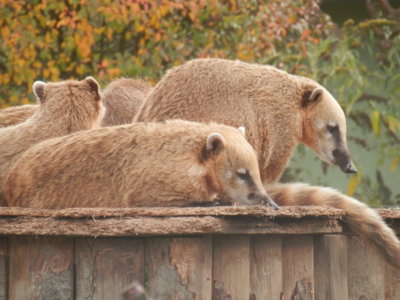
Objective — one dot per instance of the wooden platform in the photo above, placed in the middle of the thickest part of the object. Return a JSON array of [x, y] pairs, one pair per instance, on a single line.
[[190, 253]]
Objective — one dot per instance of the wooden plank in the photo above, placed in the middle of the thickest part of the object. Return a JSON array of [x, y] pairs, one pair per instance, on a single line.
[[366, 271], [155, 226], [392, 283], [297, 268], [41, 268], [259, 211], [3, 268], [266, 267], [231, 268], [330, 267], [105, 267], [179, 268]]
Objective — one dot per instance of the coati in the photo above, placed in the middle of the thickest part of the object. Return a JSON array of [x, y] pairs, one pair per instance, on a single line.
[[174, 163]]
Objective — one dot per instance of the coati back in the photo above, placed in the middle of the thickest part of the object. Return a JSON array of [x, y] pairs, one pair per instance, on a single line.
[[122, 99], [16, 114], [65, 107], [177, 163]]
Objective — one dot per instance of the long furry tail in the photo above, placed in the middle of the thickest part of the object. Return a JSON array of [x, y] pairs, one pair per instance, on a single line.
[[361, 219]]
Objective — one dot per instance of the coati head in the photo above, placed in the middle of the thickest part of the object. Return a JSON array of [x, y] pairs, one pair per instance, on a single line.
[[324, 128], [233, 169], [76, 102]]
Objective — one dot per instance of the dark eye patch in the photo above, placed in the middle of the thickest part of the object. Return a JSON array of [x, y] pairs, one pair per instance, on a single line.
[[244, 176], [332, 129]]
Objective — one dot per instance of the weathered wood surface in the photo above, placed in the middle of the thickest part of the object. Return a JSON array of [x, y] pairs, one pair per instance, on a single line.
[[105, 267], [3, 268], [41, 268], [330, 267], [266, 267], [231, 268], [95, 213], [297, 268], [179, 268], [366, 271], [142, 226]]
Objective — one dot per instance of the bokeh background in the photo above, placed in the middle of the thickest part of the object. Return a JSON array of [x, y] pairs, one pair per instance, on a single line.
[[352, 47]]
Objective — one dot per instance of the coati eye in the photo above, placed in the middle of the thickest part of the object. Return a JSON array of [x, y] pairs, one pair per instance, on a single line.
[[243, 174], [332, 128]]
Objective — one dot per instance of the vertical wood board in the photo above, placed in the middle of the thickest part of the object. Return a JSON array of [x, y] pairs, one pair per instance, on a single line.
[[179, 268], [3, 268], [41, 268], [231, 268], [330, 267], [297, 268], [266, 267], [106, 266], [366, 271]]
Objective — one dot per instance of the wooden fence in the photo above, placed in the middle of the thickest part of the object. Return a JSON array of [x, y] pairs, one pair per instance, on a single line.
[[190, 253]]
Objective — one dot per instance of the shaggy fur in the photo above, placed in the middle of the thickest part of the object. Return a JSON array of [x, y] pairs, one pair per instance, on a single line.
[[279, 110], [122, 99], [361, 219], [273, 106], [16, 114], [177, 163], [65, 107]]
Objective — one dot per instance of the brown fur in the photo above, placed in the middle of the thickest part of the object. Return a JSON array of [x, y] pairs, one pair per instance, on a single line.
[[122, 99], [361, 219], [16, 114], [268, 102], [177, 163], [65, 107]]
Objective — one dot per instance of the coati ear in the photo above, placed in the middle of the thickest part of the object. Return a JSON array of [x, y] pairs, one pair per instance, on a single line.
[[38, 90], [215, 143], [242, 130], [312, 97], [93, 86]]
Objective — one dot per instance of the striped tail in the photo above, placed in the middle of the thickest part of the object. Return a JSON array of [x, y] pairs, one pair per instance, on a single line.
[[361, 219]]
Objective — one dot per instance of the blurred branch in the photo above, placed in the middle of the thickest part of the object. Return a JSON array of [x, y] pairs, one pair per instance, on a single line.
[[366, 97]]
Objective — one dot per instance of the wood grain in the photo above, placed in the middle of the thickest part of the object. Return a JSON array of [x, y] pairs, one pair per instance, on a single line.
[[366, 271], [297, 268], [179, 268], [266, 267], [231, 267], [330, 267], [41, 268], [105, 267], [155, 226], [3, 268]]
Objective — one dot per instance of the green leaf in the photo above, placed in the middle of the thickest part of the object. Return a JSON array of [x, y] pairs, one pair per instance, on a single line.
[[375, 118]]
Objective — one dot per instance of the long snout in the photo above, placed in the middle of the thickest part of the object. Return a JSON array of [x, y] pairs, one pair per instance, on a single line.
[[263, 198], [343, 160]]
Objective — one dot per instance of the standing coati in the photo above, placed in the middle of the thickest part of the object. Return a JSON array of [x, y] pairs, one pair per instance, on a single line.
[[121, 98], [279, 110], [174, 163], [65, 107]]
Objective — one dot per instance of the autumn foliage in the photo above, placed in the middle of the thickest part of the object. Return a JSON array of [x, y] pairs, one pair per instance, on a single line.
[[359, 62]]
